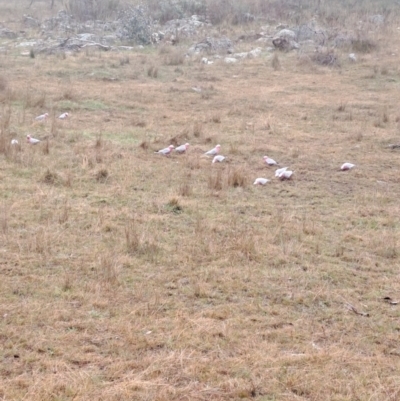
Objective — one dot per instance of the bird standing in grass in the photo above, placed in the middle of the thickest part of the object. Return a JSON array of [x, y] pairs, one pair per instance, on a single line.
[[347, 166], [260, 181], [42, 117], [280, 171], [285, 175], [269, 161], [14, 142], [182, 148], [63, 116], [32, 141], [218, 158], [213, 151], [166, 151]]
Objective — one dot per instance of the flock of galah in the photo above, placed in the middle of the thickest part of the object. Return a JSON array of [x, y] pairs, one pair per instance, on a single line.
[[41, 118], [281, 173]]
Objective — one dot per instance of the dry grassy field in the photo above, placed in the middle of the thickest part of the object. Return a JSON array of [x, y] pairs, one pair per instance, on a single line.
[[127, 275]]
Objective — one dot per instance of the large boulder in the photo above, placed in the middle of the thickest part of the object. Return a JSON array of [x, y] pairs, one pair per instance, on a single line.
[[213, 45], [285, 40]]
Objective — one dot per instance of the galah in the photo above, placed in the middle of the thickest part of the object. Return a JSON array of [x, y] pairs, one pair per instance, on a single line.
[[347, 166], [182, 148], [166, 151], [32, 141], [42, 117], [285, 175], [260, 181], [63, 116], [14, 142], [218, 158], [213, 151], [280, 171], [269, 161]]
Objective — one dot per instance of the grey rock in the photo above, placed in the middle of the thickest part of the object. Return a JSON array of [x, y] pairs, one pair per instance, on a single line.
[[7, 33], [230, 60], [213, 45], [377, 19]]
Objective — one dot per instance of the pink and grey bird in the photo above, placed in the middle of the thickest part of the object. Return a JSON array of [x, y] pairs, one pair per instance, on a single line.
[[347, 166], [166, 151], [260, 181], [218, 158], [213, 151], [42, 117], [63, 116], [269, 161], [32, 141], [182, 148]]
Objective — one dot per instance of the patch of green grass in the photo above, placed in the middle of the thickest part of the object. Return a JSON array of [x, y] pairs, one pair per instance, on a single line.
[[93, 105]]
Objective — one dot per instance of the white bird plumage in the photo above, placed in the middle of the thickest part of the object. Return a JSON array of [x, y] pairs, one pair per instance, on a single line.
[[14, 142], [269, 161], [218, 158], [347, 166], [213, 151], [32, 141], [42, 117], [260, 181], [285, 175], [63, 116], [166, 151], [280, 171], [182, 148]]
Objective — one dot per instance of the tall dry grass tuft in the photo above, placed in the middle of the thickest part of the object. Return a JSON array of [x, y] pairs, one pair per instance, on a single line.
[[275, 62], [215, 180], [109, 268], [152, 71], [4, 218], [185, 189], [98, 144], [174, 206], [102, 175], [246, 246], [46, 147], [3, 83], [237, 177], [50, 178], [4, 145], [5, 120], [174, 57], [53, 127], [197, 129], [64, 215], [193, 162], [132, 238]]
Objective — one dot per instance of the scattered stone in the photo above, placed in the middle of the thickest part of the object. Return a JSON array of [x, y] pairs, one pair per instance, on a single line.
[[205, 60], [27, 44], [185, 27], [31, 22], [230, 60], [212, 45], [377, 19], [240, 55], [7, 33], [255, 53]]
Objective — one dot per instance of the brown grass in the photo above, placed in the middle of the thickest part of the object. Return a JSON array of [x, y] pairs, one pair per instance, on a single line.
[[130, 276]]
